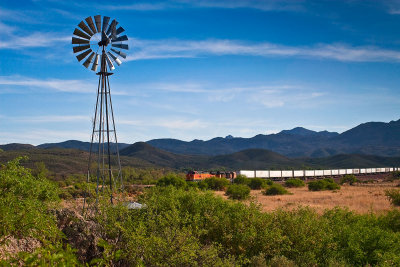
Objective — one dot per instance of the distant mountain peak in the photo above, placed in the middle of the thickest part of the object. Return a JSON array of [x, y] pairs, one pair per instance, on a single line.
[[229, 137], [299, 131]]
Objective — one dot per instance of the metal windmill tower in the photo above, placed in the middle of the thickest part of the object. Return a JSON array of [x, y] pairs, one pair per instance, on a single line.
[[100, 44]]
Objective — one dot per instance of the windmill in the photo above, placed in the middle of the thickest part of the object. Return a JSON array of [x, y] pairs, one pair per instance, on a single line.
[[97, 43]]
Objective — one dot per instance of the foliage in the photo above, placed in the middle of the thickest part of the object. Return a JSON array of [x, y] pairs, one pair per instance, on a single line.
[[259, 183], [349, 178], [238, 191], [172, 179], [214, 183], [24, 203], [275, 189], [49, 255], [192, 228], [394, 196], [325, 184], [241, 179], [395, 175], [144, 176], [294, 182]]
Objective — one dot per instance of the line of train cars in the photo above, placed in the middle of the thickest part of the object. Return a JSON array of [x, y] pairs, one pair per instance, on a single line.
[[284, 174]]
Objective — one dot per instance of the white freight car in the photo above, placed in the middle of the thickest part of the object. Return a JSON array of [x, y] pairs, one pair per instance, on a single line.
[[275, 174], [287, 174], [318, 173], [262, 174], [298, 173], [327, 172], [309, 173], [248, 174]]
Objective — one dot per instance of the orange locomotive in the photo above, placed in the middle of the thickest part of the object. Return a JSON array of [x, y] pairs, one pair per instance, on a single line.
[[197, 175]]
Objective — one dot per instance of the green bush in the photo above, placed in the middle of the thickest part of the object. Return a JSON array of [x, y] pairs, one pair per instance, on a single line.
[[259, 183], [214, 183], [348, 179], [275, 189], [395, 175], [192, 228], [241, 179], [394, 196], [173, 180], [294, 182], [238, 191], [325, 184]]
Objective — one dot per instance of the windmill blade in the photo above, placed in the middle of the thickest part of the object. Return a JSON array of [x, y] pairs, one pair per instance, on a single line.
[[114, 34], [119, 53], [85, 28], [122, 46], [81, 34], [119, 30], [115, 59], [105, 23], [97, 19], [80, 48], [112, 25], [121, 38], [95, 63], [110, 65], [89, 21], [83, 55], [79, 41], [88, 60]]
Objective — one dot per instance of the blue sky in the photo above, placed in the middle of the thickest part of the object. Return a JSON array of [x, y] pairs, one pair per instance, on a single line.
[[201, 69]]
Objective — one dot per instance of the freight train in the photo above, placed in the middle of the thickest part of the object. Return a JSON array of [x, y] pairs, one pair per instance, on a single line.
[[198, 175], [284, 174]]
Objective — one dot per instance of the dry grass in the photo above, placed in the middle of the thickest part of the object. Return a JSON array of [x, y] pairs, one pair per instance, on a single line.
[[362, 198]]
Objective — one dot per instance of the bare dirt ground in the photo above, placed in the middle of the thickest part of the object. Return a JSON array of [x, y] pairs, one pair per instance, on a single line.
[[361, 198]]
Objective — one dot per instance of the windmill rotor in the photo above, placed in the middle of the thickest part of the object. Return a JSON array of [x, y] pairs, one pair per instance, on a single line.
[[97, 37]]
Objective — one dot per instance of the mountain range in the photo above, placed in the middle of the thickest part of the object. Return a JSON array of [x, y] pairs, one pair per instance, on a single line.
[[371, 138]]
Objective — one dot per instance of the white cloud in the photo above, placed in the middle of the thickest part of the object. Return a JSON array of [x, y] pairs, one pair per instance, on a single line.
[[36, 39], [40, 136], [166, 123], [51, 118], [172, 48], [76, 86]]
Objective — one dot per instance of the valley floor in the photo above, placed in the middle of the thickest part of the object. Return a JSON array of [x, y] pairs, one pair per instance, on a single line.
[[361, 198]]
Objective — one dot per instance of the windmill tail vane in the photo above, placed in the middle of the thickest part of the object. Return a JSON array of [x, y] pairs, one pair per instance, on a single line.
[[97, 42]]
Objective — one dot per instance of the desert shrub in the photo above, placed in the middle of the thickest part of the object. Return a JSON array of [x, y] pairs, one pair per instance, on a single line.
[[173, 180], [241, 179], [395, 175], [24, 203], [259, 183], [192, 228], [238, 191], [394, 196], [325, 184], [275, 189], [362, 240], [294, 182], [215, 183], [348, 179]]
